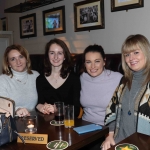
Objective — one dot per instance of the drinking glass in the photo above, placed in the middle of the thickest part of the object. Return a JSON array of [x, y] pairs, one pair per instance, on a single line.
[[59, 112], [69, 116]]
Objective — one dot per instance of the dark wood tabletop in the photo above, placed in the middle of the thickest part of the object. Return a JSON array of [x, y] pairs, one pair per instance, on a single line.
[[141, 141], [75, 140]]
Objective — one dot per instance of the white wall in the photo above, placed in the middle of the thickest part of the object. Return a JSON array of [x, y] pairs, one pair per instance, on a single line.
[[118, 25]]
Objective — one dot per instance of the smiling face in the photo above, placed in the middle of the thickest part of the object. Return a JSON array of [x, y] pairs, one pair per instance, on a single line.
[[56, 55], [17, 61], [94, 63], [135, 59]]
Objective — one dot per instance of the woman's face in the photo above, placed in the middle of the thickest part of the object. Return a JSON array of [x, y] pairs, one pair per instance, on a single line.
[[94, 63], [17, 61], [56, 55], [135, 59]]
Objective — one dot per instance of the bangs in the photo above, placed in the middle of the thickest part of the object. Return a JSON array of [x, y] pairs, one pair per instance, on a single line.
[[129, 48]]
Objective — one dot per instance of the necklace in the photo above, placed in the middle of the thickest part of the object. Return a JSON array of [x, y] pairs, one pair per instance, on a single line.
[[23, 82], [56, 79], [129, 112]]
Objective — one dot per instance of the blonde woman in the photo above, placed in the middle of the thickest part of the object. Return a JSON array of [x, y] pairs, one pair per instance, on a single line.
[[129, 109]]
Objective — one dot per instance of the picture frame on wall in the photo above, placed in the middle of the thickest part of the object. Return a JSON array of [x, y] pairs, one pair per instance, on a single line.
[[89, 15], [28, 26], [4, 24], [54, 21], [118, 5]]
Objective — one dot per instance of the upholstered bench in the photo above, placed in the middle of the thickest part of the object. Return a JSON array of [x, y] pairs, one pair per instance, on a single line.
[[113, 62]]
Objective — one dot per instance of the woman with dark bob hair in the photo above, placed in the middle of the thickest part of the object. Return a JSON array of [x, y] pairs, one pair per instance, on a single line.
[[57, 83], [18, 81]]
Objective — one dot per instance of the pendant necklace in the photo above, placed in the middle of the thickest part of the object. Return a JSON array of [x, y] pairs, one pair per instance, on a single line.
[[20, 80], [56, 79], [129, 112]]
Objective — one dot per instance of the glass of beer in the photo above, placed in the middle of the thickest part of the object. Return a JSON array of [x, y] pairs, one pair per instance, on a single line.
[[59, 112], [69, 116]]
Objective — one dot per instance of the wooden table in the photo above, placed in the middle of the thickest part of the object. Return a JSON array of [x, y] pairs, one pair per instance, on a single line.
[[142, 141], [75, 140]]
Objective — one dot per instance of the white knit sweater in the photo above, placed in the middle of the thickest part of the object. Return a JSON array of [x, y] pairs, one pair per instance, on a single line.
[[23, 93]]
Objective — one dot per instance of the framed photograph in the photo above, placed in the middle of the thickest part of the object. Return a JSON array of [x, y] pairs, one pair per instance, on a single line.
[[118, 5], [89, 15], [28, 26], [54, 21], [4, 24]]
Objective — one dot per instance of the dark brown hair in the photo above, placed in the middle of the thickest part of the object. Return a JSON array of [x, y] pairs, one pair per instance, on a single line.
[[66, 63], [93, 48]]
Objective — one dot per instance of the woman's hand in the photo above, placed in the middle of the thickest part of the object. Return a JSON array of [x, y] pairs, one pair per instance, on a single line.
[[45, 108], [21, 112], [48, 108], [109, 141]]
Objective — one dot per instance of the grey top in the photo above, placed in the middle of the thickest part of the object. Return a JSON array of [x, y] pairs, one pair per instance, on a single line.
[[23, 93], [128, 122]]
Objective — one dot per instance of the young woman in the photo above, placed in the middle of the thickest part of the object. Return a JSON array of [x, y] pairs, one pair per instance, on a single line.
[[129, 108], [58, 83], [97, 85], [18, 81]]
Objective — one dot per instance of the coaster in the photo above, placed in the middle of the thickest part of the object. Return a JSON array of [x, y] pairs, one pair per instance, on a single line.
[[57, 145], [54, 123], [126, 146]]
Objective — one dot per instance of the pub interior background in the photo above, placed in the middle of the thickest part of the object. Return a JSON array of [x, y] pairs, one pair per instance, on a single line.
[[118, 25]]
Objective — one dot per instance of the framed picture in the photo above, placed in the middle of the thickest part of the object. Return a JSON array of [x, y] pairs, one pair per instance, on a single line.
[[28, 26], [4, 24], [118, 5], [89, 15], [54, 21]]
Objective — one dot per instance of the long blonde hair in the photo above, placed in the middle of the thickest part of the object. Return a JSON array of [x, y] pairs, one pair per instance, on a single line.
[[5, 65], [131, 43]]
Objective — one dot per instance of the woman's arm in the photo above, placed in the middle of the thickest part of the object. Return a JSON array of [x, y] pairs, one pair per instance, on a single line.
[[109, 141], [4, 87], [76, 96], [42, 106]]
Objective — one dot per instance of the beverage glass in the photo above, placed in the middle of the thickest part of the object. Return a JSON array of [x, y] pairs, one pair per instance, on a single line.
[[69, 116], [59, 112], [30, 124]]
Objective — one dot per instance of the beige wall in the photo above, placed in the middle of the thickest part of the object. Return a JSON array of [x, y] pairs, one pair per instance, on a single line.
[[118, 25]]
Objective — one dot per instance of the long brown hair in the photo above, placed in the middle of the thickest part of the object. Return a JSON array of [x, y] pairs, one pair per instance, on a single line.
[[66, 63]]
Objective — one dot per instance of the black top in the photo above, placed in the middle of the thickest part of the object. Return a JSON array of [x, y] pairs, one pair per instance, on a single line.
[[68, 92]]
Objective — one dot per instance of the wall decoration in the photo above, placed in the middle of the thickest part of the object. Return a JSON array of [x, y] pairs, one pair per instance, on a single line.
[[118, 5], [89, 15], [54, 21], [28, 26], [4, 24]]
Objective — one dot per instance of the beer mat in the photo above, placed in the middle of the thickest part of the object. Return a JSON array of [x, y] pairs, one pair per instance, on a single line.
[[126, 146], [57, 145], [54, 123]]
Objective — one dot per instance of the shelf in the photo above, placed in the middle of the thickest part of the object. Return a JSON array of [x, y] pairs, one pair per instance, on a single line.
[[29, 5]]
